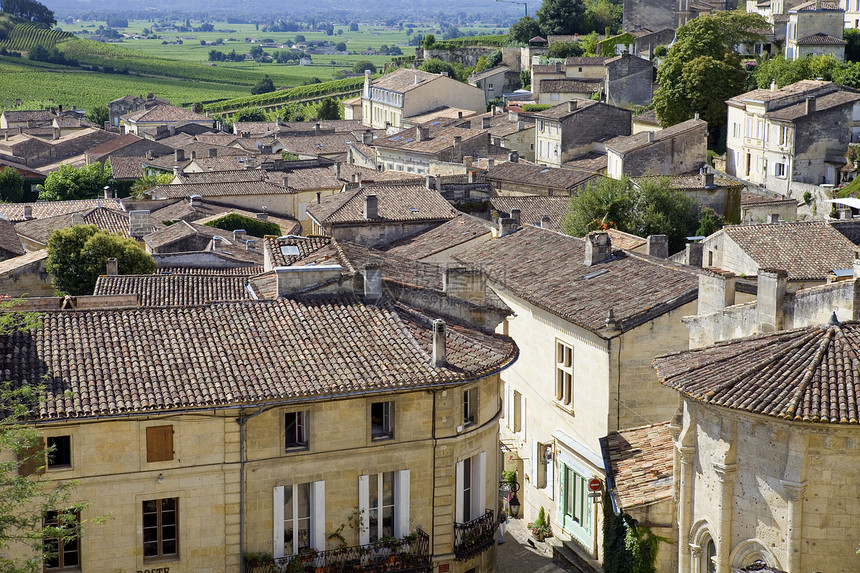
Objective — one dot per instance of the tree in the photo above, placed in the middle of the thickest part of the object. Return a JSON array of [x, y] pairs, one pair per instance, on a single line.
[[428, 41], [300, 39], [77, 255], [709, 223], [523, 30], [329, 109], [653, 207], [566, 50], [264, 86], [340, 46], [29, 9], [703, 69], [249, 114], [11, 185], [602, 14], [147, 182], [362, 65], [559, 17], [69, 182], [353, 26], [98, 115]]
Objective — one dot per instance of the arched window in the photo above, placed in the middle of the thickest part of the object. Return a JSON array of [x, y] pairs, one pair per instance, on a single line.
[[710, 557]]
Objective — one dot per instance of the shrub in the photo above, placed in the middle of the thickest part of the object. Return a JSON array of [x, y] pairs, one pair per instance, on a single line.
[[253, 227]]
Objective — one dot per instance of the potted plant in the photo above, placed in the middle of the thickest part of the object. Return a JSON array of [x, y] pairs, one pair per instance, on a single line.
[[259, 559], [540, 528]]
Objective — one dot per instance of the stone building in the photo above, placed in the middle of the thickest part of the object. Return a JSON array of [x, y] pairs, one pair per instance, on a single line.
[[383, 415], [623, 80], [496, 81], [161, 115], [765, 449], [516, 179], [414, 149], [815, 29], [569, 130], [588, 319], [676, 150]]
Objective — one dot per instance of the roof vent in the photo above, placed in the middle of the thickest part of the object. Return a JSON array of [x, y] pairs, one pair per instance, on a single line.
[[440, 352], [833, 320]]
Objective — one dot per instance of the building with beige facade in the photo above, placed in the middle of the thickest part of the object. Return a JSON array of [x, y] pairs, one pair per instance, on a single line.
[[266, 426], [588, 319], [569, 130], [815, 29]]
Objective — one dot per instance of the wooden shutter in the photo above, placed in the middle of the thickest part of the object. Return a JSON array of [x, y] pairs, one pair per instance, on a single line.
[[159, 443], [32, 460]]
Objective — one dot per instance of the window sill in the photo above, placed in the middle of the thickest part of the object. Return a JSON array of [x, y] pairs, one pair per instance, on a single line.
[[563, 407], [162, 559], [381, 438], [294, 449], [59, 468]]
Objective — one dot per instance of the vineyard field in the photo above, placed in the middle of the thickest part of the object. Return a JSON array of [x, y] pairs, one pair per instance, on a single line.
[[25, 36]]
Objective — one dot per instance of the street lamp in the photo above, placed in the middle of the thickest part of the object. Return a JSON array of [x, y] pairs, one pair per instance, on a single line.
[[514, 504]]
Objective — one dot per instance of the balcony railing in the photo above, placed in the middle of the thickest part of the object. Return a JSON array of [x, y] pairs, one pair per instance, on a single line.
[[408, 555], [474, 537]]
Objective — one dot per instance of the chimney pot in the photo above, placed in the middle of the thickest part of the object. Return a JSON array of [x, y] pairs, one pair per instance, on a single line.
[[440, 354], [770, 299], [693, 254], [598, 247], [28, 211], [371, 207], [112, 267], [571, 105], [810, 105], [657, 246]]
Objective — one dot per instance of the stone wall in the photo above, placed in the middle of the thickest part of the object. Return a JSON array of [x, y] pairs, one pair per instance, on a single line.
[[683, 153]]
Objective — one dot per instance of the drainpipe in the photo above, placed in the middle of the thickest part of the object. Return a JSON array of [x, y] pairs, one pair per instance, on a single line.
[[241, 420]]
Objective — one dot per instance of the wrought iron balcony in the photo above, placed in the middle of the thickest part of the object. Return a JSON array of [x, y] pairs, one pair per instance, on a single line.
[[474, 537], [408, 555]]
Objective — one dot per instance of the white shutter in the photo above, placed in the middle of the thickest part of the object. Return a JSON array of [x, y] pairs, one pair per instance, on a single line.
[[364, 509], [535, 464], [401, 503], [318, 515], [479, 484], [458, 494], [278, 522], [509, 423], [550, 482]]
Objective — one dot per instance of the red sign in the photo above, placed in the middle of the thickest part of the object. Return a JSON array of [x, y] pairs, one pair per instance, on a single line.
[[594, 484]]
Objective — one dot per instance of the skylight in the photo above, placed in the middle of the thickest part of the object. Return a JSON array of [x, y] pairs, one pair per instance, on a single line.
[[289, 250], [596, 274]]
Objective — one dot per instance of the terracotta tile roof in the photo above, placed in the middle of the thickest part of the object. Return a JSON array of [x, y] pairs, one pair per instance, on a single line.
[[689, 181], [790, 92], [585, 61], [318, 144], [13, 264], [571, 86], [209, 271], [533, 209], [165, 113], [183, 236], [114, 145], [234, 353], [546, 268], [627, 143], [230, 176], [538, 175], [809, 374], [277, 247], [649, 117], [626, 241], [591, 161], [204, 211], [641, 462], [459, 230], [821, 39], [15, 116], [110, 220], [822, 103], [15, 211], [439, 139], [563, 111], [396, 202], [501, 125], [404, 80], [175, 289], [442, 114], [489, 73], [127, 167], [255, 187], [308, 179], [806, 250]]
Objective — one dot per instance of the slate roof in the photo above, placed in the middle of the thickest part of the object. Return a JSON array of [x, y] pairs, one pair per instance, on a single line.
[[640, 463], [821, 39], [15, 211], [459, 230], [175, 289], [628, 143], [538, 175], [571, 86], [163, 359], [533, 209], [408, 202], [214, 189], [546, 268], [810, 374], [806, 250]]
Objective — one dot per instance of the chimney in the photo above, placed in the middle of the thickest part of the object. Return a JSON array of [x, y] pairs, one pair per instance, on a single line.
[[149, 154], [179, 155], [367, 136], [372, 283], [193, 154], [467, 161], [716, 291], [513, 116], [371, 207], [810, 105], [707, 180], [56, 133], [112, 267], [772, 218], [337, 170], [770, 299], [440, 357], [598, 248], [650, 136], [317, 127], [246, 135], [515, 215], [856, 267], [213, 152], [239, 235], [192, 198], [429, 182], [773, 85], [250, 245], [693, 254], [415, 81], [77, 219], [458, 148], [139, 224], [422, 133], [490, 163], [571, 105], [108, 192], [545, 222], [464, 283], [514, 157], [507, 225], [696, 115], [28, 211], [657, 246], [177, 170], [845, 213], [319, 197], [485, 123], [216, 242], [171, 130]]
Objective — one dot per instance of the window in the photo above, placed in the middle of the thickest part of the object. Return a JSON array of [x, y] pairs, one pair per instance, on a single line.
[[470, 406], [563, 373], [63, 552], [574, 503], [383, 500], [710, 556], [296, 424], [299, 517], [471, 488], [783, 135], [779, 169], [160, 528], [59, 452], [490, 87], [159, 443], [553, 96], [381, 420], [736, 130]]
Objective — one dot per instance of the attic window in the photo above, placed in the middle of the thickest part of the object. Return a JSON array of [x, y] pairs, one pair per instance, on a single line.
[[289, 250], [413, 209], [596, 274]]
